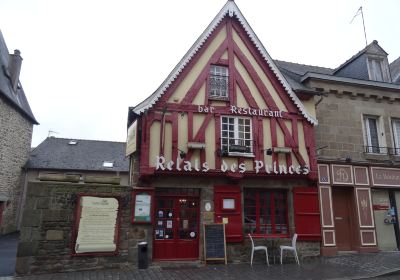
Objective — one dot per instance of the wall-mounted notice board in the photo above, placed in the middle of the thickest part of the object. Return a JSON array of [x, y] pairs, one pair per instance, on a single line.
[[214, 242]]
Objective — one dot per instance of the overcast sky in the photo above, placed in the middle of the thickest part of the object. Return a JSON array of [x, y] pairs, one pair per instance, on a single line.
[[87, 61]]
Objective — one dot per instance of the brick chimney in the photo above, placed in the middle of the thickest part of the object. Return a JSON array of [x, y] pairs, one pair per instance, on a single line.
[[14, 66]]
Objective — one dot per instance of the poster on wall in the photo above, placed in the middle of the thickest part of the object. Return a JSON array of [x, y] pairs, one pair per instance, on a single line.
[[142, 205], [142, 208], [97, 225]]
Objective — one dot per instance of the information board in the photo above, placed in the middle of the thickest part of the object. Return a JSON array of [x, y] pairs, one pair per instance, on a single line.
[[214, 242], [97, 225]]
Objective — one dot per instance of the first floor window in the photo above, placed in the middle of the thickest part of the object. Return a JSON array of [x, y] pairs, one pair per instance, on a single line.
[[236, 135], [396, 135], [265, 212], [371, 134], [218, 82]]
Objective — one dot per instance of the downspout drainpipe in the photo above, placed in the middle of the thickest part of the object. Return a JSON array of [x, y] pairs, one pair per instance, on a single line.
[[22, 200]]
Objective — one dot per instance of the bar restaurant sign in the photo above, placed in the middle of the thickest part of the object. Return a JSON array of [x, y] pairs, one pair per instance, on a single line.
[[259, 167]]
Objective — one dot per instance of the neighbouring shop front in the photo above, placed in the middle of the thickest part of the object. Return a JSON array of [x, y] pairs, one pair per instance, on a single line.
[[359, 208]]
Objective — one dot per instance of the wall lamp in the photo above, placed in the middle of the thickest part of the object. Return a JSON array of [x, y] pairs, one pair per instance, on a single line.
[[278, 150], [182, 154]]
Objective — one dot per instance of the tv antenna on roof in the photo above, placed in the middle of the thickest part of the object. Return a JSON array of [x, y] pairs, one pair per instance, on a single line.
[[52, 132], [360, 11]]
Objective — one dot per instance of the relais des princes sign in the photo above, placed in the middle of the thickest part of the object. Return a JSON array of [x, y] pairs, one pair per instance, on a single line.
[[258, 167]]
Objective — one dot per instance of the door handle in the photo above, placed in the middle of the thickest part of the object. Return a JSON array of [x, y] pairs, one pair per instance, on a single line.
[[338, 218]]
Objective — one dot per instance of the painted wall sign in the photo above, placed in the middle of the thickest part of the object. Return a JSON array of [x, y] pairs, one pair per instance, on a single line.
[[97, 225], [243, 111], [385, 176], [342, 174], [259, 166], [131, 139]]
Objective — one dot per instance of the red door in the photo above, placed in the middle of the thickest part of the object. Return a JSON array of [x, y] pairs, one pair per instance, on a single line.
[[176, 229], [341, 199], [228, 209]]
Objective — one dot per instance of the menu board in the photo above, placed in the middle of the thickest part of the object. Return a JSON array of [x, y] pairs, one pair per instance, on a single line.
[[214, 242], [97, 225]]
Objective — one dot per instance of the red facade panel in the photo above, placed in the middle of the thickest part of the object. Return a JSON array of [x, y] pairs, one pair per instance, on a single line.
[[306, 213], [228, 209]]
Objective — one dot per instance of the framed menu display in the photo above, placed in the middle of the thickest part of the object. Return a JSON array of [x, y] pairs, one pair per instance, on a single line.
[[142, 205], [96, 230]]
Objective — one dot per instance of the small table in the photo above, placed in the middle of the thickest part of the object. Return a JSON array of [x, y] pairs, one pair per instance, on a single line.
[[273, 243]]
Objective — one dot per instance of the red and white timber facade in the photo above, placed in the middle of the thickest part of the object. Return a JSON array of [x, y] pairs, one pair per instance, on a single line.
[[225, 139]]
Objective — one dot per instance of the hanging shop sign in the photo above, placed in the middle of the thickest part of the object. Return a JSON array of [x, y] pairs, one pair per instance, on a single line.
[[259, 167]]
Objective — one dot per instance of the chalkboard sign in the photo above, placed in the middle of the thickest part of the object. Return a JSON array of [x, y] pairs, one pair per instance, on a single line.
[[214, 242]]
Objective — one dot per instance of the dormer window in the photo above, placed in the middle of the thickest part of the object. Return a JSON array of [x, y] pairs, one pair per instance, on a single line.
[[375, 69], [218, 82]]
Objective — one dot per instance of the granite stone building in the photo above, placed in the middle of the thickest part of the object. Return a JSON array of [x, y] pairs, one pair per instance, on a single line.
[[358, 147], [60, 175], [16, 124]]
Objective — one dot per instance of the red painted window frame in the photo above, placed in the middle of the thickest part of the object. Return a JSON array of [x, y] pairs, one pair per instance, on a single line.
[[75, 226], [272, 207], [137, 191]]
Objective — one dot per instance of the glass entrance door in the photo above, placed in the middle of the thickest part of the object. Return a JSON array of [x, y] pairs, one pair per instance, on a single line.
[[176, 229]]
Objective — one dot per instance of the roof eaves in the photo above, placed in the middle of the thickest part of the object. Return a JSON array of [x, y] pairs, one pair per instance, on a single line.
[[229, 8], [152, 99], [310, 75]]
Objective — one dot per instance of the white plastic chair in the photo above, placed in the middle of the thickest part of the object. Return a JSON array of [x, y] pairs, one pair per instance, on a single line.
[[291, 248], [256, 248]]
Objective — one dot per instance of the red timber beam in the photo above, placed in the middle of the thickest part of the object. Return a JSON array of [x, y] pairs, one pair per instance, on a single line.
[[173, 119], [194, 89], [199, 137], [309, 139], [190, 65], [270, 102], [267, 71], [231, 63]]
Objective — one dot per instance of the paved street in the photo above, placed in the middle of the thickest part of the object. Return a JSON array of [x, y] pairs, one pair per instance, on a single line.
[[380, 266], [354, 266]]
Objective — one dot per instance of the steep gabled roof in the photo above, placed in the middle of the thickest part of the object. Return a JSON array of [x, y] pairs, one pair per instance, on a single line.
[[18, 98], [86, 155], [230, 9]]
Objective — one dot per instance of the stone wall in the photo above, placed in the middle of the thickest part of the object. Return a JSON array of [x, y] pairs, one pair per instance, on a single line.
[[340, 131], [47, 223], [15, 144]]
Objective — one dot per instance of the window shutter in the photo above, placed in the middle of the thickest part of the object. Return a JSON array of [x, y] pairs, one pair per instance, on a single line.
[[306, 213]]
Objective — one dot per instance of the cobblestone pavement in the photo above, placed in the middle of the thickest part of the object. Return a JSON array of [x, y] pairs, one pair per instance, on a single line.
[[354, 266]]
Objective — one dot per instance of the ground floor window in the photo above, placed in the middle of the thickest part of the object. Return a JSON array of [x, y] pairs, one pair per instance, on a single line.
[[265, 212]]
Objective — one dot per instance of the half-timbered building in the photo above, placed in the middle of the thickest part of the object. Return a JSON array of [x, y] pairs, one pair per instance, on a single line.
[[224, 139]]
